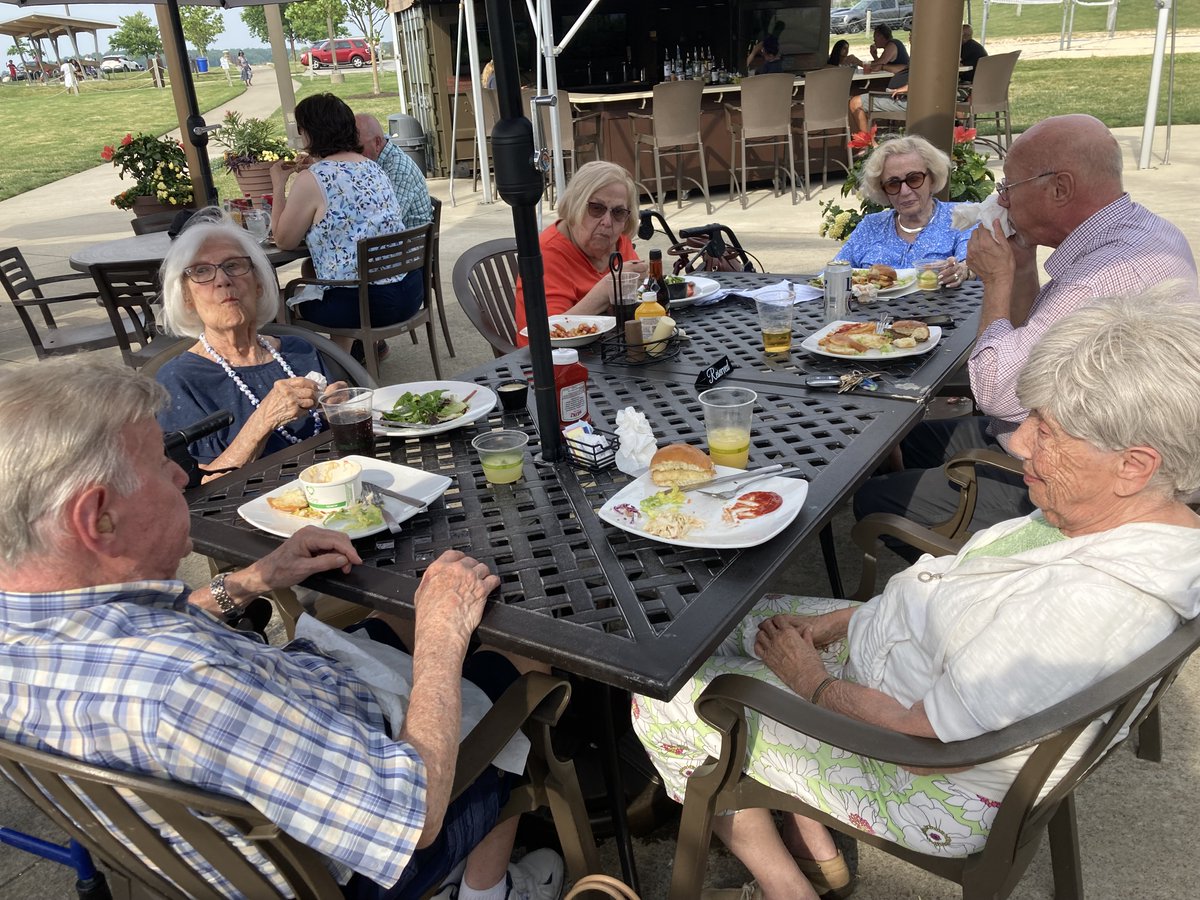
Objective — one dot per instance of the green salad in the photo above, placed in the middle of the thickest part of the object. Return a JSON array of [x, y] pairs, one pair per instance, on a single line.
[[354, 517], [431, 408]]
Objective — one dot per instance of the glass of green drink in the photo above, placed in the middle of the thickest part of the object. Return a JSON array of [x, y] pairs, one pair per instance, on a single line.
[[502, 454]]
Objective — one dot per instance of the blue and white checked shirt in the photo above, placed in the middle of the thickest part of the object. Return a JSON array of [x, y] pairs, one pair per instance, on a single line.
[[409, 183], [133, 678]]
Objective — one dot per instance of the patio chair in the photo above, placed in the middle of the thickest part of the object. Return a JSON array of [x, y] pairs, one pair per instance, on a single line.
[[379, 258], [435, 274], [491, 115], [75, 795], [674, 131], [28, 294], [485, 283], [1124, 699], [989, 97], [129, 292], [763, 120], [160, 221], [822, 116]]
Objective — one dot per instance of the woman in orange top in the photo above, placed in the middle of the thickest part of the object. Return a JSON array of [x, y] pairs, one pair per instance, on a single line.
[[598, 216]]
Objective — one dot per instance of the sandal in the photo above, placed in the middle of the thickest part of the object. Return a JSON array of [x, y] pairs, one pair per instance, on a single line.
[[829, 877]]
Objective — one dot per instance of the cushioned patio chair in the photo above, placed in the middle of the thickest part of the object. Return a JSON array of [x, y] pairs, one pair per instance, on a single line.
[[73, 793]]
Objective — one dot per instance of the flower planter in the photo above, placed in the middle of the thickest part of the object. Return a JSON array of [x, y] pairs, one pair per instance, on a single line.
[[148, 206], [254, 179]]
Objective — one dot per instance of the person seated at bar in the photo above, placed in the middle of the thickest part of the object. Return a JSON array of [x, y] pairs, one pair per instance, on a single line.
[[887, 55], [598, 218], [339, 197], [1029, 613], [220, 288], [840, 55], [122, 666], [905, 173], [768, 51]]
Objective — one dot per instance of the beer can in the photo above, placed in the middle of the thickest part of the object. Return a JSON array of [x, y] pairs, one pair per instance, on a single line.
[[838, 275]]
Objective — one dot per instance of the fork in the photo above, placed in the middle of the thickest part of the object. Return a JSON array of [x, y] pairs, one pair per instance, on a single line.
[[730, 493], [883, 323]]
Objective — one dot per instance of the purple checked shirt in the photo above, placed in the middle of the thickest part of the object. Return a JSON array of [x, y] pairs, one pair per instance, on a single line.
[[1121, 249]]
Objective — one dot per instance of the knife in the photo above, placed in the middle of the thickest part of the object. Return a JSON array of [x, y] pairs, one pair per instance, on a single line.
[[395, 495], [740, 476]]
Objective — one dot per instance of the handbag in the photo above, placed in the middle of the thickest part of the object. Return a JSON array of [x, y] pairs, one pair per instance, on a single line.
[[601, 884]]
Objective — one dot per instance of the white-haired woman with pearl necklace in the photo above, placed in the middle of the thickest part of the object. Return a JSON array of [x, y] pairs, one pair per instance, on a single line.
[[219, 287]]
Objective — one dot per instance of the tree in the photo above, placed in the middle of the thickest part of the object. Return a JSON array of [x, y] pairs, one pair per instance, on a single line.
[[369, 16], [201, 26], [310, 18], [137, 36], [255, 19]]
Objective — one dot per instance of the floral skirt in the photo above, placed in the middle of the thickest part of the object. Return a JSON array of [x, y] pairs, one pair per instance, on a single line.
[[926, 813]]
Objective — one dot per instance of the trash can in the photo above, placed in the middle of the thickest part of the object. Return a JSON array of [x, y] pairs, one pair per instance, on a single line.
[[202, 64], [407, 134]]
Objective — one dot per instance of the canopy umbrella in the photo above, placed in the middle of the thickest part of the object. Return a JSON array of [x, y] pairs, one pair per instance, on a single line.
[[191, 123]]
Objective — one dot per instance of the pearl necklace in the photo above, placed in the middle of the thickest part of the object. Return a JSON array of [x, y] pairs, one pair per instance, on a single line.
[[245, 389]]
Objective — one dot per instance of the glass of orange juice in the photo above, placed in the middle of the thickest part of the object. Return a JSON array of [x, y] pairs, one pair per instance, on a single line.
[[728, 412]]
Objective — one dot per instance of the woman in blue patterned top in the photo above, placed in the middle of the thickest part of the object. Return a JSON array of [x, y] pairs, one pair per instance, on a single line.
[[905, 173], [340, 197]]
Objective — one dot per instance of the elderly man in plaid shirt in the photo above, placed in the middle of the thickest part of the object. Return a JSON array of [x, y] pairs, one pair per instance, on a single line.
[[106, 658], [1062, 189], [407, 179]]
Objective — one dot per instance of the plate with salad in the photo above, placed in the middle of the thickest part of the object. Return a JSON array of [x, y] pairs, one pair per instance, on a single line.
[[430, 407], [284, 511]]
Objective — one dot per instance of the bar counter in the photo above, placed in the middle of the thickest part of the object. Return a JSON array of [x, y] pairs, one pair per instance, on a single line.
[[615, 124]]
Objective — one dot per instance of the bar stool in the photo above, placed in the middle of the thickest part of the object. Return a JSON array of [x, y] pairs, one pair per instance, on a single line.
[[826, 92], [491, 115], [674, 131], [765, 117]]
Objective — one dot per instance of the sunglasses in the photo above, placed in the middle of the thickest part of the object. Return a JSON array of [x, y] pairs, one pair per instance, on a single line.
[[619, 214], [206, 272], [914, 180]]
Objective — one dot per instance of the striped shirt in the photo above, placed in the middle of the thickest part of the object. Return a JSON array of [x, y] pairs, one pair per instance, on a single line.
[[133, 678], [1121, 249]]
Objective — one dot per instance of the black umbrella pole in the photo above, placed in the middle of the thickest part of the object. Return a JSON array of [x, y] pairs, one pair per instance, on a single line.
[[196, 133], [520, 186]]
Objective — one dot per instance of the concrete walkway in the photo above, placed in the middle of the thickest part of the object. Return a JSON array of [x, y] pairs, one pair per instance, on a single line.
[[1151, 859]]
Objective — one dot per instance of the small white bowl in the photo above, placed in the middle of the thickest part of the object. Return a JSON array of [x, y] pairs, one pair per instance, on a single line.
[[332, 485], [605, 324]]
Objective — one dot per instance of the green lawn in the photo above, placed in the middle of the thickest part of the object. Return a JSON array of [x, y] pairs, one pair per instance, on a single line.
[[47, 134], [1003, 20]]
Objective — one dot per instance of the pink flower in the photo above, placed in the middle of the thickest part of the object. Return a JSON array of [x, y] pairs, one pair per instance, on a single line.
[[963, 135], [107, 154], [863, 139], [127, 140]]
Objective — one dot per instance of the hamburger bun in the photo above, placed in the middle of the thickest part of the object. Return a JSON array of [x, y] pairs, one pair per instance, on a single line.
[[842, 344], [879, 270], [918, 331], [680, 464]]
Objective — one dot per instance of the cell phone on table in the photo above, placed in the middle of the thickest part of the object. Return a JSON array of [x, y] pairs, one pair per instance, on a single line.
[[940, 319]]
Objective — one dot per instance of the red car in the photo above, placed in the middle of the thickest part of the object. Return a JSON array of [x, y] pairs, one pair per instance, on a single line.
[[355, 51]]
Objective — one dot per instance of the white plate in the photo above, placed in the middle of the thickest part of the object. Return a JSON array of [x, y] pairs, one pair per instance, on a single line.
[[811, 344], [716, 534], [905, 279], [477, 407], [424, 485], [604, 323], [705, 287]]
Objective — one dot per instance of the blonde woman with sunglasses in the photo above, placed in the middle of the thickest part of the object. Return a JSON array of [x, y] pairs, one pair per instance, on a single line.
[[905, 173], [599, 215]]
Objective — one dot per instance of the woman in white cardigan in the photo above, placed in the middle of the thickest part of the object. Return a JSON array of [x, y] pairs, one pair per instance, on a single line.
[[1028, 613]]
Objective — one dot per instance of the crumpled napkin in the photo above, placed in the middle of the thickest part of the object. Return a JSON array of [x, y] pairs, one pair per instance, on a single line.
[[965, 215], [388, 674], [638, 444], [800, 292]]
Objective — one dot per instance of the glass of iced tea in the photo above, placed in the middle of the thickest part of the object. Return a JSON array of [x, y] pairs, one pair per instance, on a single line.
[[728, 412], [348, 412]]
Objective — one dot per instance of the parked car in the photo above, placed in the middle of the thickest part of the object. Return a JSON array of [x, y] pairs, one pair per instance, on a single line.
[[355, 51], [853, 19], [120, 64]]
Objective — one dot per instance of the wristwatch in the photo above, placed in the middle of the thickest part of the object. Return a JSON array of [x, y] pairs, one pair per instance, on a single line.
[[221, 595]]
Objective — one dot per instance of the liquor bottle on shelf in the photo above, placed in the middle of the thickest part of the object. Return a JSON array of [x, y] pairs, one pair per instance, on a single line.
[[668, 69], [688, 69]]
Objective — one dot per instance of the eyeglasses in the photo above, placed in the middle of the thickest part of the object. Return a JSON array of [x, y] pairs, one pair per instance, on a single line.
[[914, 180], [206, 272], [597, 210], [1004, 187]]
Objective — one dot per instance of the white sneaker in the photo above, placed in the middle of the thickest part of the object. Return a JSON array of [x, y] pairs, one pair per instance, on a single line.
[[537, 876]]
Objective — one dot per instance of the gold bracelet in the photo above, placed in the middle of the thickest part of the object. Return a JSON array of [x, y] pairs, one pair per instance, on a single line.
[[821, 688]]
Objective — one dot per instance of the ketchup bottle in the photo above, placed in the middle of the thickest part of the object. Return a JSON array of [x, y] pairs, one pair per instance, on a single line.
[[570, 387]]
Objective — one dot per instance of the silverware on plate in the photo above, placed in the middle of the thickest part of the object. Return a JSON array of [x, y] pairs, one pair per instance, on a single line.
[[395, 495]]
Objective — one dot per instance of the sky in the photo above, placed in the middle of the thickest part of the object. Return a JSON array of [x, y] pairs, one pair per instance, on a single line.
[[235, 35]]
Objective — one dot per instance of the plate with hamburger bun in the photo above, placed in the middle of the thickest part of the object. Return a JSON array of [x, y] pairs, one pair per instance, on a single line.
[[860, 340], [655, 507], [885, 281]]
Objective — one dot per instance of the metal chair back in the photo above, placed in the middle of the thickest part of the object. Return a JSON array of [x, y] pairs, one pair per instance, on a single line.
[[152, 223], [485, 283], [130, 291], [435, 273], [826, 92]]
